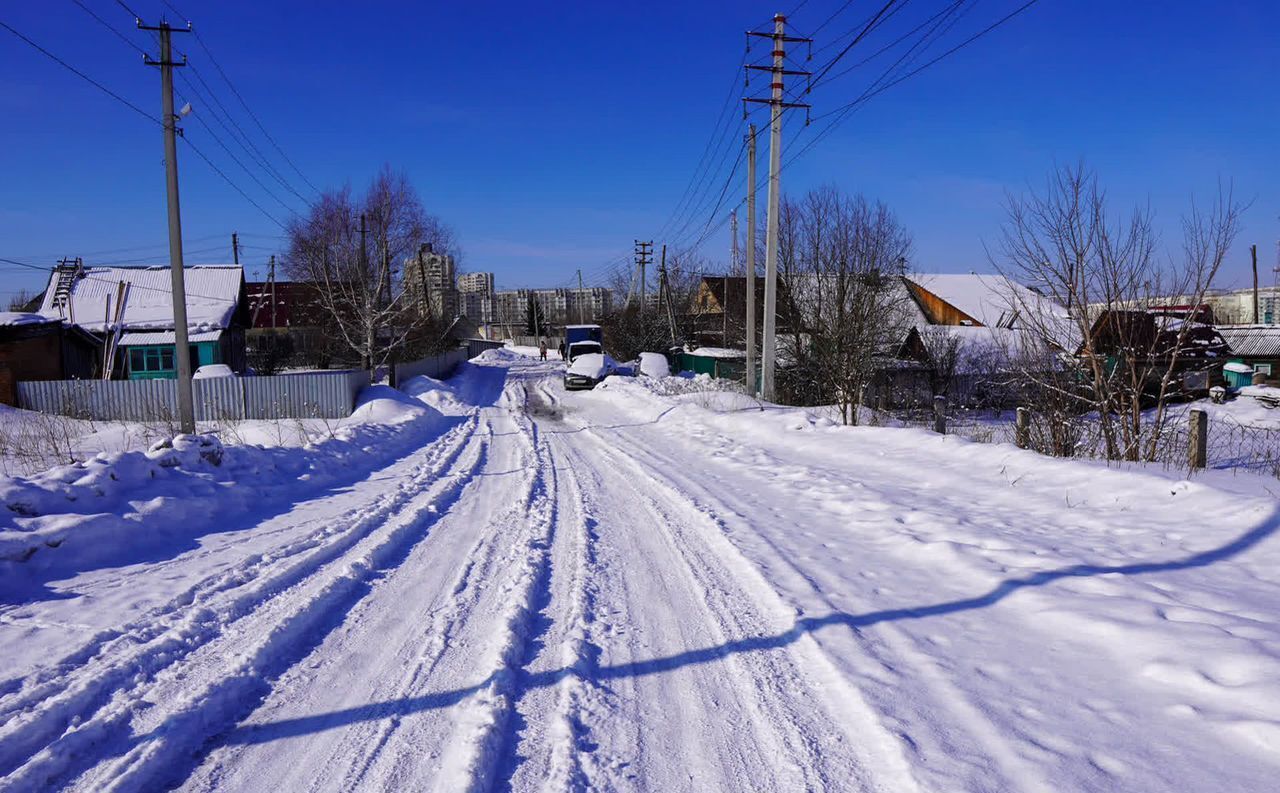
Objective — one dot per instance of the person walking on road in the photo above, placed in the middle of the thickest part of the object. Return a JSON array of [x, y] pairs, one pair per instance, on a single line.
[[542, 349]]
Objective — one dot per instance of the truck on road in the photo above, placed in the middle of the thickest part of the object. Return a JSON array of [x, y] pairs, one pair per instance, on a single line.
[[582, 340]]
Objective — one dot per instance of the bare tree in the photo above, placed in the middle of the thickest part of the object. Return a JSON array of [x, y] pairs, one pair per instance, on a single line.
[[357, 277], [944, 352], [21, 299], [1118, 350], [842, 259], [630, 331]]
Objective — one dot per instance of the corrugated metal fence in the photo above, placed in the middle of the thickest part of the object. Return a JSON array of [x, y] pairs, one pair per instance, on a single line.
[[311, 395], [434, 366], [477, 346]]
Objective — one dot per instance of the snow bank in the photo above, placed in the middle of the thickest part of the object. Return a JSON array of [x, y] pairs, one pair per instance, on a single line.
[[437, 393], [380, 404], [177, 489], [505, 355]]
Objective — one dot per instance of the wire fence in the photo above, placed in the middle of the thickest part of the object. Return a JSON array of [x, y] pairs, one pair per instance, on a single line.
[[1230, 443]]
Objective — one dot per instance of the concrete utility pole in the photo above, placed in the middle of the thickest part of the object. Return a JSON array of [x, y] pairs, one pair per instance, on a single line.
[[186, 406], [777, 105], [235, 247], [273, 291], [733, 267], [1253, 252], [644, 255], [664, 294], [751, 259], [581, 295]]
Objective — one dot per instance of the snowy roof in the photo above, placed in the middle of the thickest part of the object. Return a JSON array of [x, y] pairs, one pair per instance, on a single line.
[[718, 352], [13, 318], [566, 327], [1252, 340], [992, 300], [165, 337], [213, 292]]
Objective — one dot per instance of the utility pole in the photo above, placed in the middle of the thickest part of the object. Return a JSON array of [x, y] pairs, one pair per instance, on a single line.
[[235, 247], [273, 291], [182, 353], [644, 255], [581, 295], [751, 260], [664, 295], [733, 268], [778, 71], [371, 332], [1253, 252]]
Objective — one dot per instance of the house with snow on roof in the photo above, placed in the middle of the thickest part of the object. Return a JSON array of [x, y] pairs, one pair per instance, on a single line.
[[130, 311]]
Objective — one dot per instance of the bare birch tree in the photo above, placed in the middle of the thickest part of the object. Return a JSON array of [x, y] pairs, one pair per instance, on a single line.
[[357, 277], [842, 258]]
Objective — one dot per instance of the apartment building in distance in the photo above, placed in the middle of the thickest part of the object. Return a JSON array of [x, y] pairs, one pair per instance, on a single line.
[[429, 279]]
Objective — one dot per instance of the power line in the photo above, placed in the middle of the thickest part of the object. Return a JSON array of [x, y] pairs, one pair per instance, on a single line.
[[946, 11], [109, 27], [242, 139], [261, 159], [706, 150], [83, 76], [234, 186], [243, 103], [145, 115], [237, 161], [946, 54], [128, 10], [865, 30]]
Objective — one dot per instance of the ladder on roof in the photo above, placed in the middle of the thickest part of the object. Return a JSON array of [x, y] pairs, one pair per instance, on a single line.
[[69, 271]]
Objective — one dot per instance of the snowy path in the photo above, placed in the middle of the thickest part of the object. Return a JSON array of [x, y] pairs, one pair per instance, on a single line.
[[613, 590]]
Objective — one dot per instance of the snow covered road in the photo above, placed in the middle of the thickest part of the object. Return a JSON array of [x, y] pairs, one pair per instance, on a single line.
[[617, 590]]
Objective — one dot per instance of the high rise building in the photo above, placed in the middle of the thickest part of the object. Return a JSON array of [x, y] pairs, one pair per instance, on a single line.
[[429, 281], [475, 282]]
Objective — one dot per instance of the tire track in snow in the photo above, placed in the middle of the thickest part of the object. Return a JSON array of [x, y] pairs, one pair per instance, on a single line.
[[249, 581], [473, 755], [363, 749], [548, 748], [741, 599], [890, 648], [267, 626]]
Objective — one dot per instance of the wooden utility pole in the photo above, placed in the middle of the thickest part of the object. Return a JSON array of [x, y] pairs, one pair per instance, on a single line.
[[581, 321], [181, 352], [777, 71], [235, 247], [751, 260]]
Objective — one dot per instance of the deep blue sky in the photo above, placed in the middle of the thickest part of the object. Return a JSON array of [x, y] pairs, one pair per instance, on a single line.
[[551, 136]]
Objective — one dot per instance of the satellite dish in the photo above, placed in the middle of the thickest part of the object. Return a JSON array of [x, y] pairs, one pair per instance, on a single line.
[[185, 109]]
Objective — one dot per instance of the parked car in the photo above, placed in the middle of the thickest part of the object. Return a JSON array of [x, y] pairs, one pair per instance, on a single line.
[[579, 348], [587, 370], [654, 364], [212, 370]]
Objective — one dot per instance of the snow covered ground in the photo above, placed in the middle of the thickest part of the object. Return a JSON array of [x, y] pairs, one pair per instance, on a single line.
[[638, 587]]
